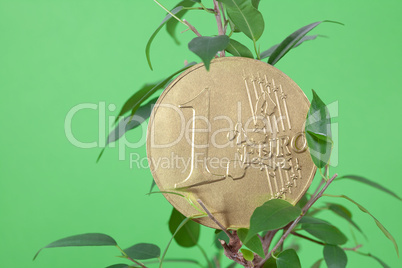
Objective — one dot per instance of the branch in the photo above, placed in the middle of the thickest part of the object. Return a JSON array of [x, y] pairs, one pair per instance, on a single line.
[[295, 222], [192, 28], [215, 220], [308, 238], [218, 18]]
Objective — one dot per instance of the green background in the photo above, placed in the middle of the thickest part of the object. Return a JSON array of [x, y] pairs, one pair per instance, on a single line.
[[55, 55]]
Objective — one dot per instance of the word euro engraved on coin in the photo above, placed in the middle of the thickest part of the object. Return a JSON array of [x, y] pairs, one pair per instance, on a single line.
[[232, 137]]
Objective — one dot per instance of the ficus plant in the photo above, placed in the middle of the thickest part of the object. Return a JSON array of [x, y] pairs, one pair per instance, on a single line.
[[262, 245]]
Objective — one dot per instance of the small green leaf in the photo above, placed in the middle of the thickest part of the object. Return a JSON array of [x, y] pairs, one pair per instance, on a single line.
[[143, 251], [344, 213], [82, 240], [246, 17], [254, 243], [166, 19], [238, 49], [323, 230], [267, 53], [206, 47], [288, 259], [335, 257], [171, 25], [318, 121], [382, 228], [317, 264], [286, 45], [371, 183], [247, 254], [273, 214], [189, 233]]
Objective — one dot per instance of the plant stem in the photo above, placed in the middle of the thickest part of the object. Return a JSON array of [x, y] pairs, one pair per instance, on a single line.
[[214, 219], [218, 18], [307, 238], [205, 255], [168, 11], [295, 222], [192, 28]]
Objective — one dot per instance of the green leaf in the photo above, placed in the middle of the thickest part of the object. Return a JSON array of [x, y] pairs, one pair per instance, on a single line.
[[238, 49], [189, 233], [247, 254], [344, 213], [120, 265], [143, 251], [255, 3], [254, 243], [323, 230], [246, 17], [171, 25], [317, 264], [267, 53], [206, 47], [273, 214], [220, 235], [166, 19], [270, 263], [82, 240], [288, 259], [286, 45], [371, 183], [318, 121], [382, 228], [302, 202], [335, 257]]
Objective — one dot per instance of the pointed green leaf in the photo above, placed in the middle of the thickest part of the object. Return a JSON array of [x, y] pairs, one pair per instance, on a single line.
[[382, 228], [189, 233], [318, 121], [335, 257], [344, 213], [238, 49], [166, 19], [254, 243], [288, 259], [267, 53], [143, 251], [207, 47], [286, 45], [247, 254], [245, 17], [323, 231], [371, 183], [272, 215], [317, 264], [82, 240], [171, 25]]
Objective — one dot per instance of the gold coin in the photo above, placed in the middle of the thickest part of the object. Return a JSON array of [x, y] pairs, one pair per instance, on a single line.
[[232, 137]]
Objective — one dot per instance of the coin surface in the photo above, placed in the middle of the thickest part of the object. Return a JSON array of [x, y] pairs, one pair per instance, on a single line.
[[232, 137]]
